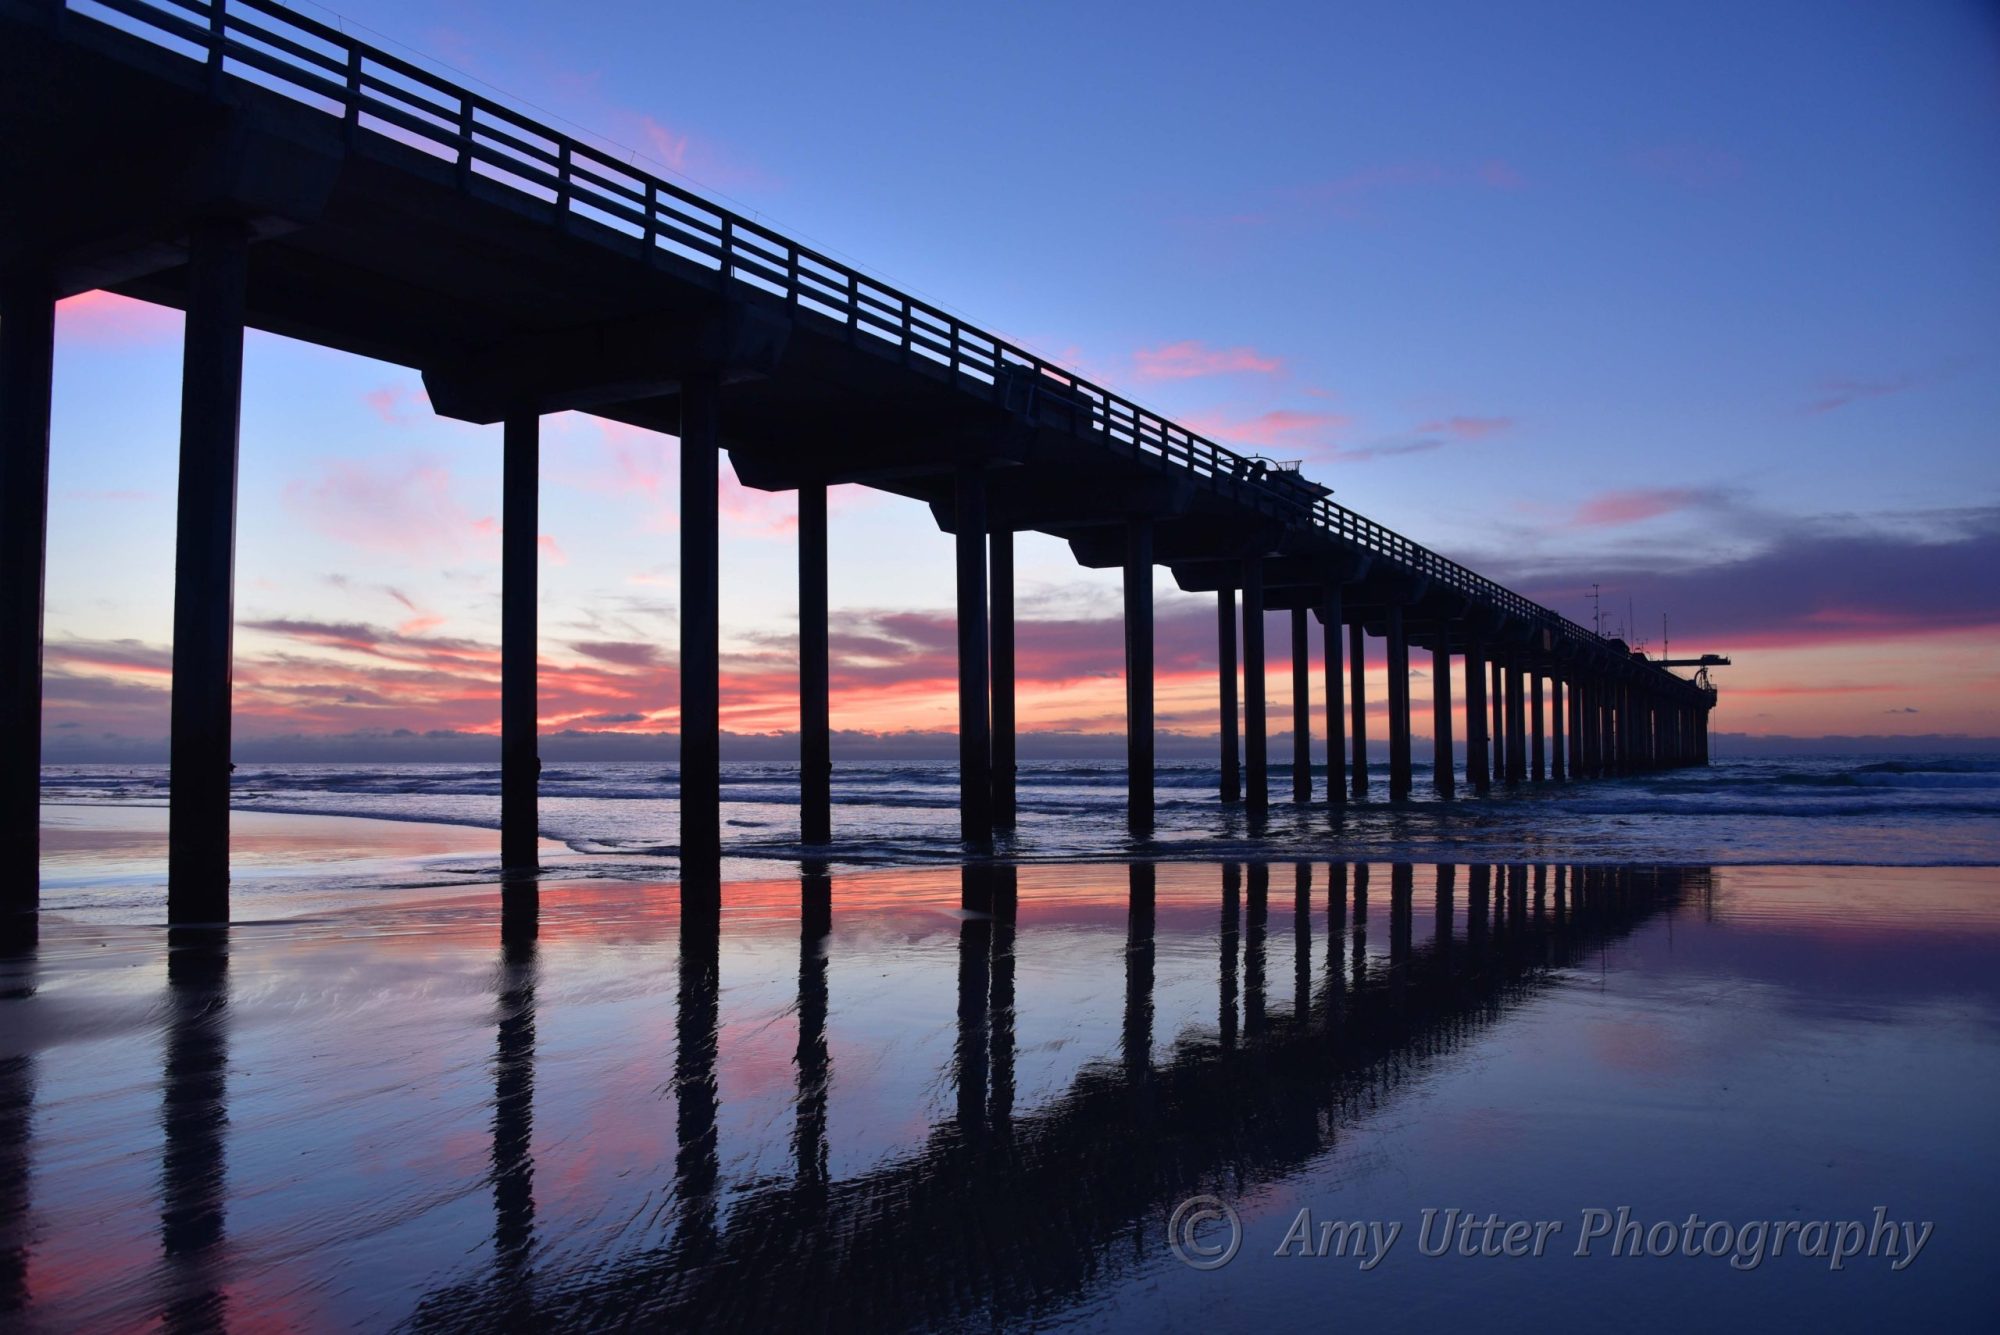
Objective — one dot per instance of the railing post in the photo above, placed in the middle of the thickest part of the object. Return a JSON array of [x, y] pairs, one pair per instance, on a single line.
[[218, 40]]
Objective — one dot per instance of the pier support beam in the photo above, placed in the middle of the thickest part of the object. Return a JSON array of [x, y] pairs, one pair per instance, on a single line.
[[1302, 786], [701, 638], [1225, 673], [520, 706], [1499, 684], [1441, 758], [815, 708], [1517, 725], [1399, 706], [1139, 674], [1336, 715], [1477, 772], [1256, 740], [27, 366], [1558, 766], [1537, 728], [1000, 617], [1357, 690], [975, 741], [205, 575]]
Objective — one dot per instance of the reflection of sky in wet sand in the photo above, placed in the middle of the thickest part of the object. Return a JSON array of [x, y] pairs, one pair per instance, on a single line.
[[378, 1108]]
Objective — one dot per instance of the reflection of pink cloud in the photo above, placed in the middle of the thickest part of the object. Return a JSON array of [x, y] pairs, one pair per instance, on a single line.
[[104, 319], [1188, 359], [1632, 506], [1501, 175], [1281, 426]]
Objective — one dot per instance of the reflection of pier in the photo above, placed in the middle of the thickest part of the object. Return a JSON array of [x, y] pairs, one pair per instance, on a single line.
[[999, 1213], [258, 169]]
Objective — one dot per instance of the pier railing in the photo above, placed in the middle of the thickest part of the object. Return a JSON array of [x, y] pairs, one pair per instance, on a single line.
[[267, 44]]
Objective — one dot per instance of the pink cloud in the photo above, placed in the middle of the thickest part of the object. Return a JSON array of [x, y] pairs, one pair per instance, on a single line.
[[397, 405], [105, 319], [397, 507], [1501, 175], [1637, 504], [552, 549], [1188, 359], [1467, 428], [1279, 427]]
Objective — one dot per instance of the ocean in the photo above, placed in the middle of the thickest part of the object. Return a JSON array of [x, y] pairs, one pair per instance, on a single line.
[[622, 820]]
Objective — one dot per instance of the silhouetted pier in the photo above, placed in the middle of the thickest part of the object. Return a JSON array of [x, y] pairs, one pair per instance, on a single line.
[[257, 169]]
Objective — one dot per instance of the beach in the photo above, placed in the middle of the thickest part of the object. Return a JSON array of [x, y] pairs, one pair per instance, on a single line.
[[952, 1096]]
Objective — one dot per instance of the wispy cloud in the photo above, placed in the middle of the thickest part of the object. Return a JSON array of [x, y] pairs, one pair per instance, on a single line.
[[1841, 391], [1278, 428], [1635, 505], [1467, 428], [1189, 359], [400, 507]]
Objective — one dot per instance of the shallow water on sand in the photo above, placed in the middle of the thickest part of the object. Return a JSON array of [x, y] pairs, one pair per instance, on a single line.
[[950, 1098]]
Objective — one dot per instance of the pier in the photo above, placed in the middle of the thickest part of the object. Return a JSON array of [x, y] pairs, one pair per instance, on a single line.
[[259, 170]]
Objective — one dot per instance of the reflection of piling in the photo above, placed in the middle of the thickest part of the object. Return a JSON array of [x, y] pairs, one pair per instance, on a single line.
[[1256, 921], [194, 1116], [1139, 956], [514, 1111], [1302, 942], [970, 1060], [1000, 1103], [17, 1117], [697, 1168], [809, 1145], [1231, 883], [1447, 910]]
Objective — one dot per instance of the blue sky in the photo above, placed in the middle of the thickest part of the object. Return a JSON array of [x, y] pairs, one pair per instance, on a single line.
[[1677, 300]]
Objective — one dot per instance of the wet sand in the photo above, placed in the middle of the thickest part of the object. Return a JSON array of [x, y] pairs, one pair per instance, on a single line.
[[925, 1099]]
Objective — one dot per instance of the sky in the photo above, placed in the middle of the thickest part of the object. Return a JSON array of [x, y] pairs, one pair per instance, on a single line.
[[1697, 304]]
